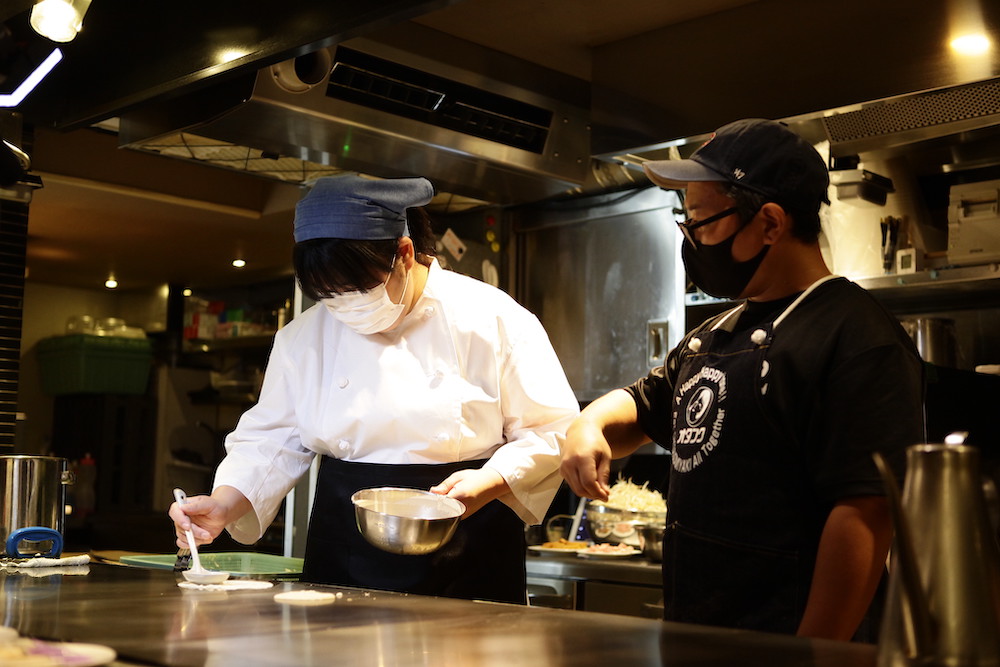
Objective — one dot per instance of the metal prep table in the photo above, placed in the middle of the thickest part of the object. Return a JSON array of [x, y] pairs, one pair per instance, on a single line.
[[630, 586], [149, 620]]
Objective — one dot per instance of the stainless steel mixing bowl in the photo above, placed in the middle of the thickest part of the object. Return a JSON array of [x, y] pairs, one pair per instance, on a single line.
[[618, 526], [406, 521]]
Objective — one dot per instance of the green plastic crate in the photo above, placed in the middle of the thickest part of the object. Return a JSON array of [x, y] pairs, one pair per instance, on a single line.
[[86, 364], [237, 563]]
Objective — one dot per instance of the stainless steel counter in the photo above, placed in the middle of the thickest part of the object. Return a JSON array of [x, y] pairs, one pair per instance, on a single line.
[[629, 586], [633, 570], [149, 620]]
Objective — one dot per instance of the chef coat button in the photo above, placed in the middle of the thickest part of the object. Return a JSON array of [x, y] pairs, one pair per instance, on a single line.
[[343, 445], [694, 344], [442, 437], [428, 311], [343, 382], [758, 336]]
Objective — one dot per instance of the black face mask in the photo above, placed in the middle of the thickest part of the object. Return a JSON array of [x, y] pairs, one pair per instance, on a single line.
[[713, 269]]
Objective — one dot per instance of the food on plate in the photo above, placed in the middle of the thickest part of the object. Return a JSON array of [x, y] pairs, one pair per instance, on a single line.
[[24, 652], [563, 543], [228, 585], [606, 549], [307, 597], [623, 529], [15, 654], [601, 530], [17, 650], [626, 495]]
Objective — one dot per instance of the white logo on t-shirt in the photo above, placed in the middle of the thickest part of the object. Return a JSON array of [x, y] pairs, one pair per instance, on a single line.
[[699, 418]]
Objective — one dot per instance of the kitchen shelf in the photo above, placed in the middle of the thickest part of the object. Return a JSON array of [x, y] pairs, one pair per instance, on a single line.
[[208, 346], [952, 288], [188, 465]]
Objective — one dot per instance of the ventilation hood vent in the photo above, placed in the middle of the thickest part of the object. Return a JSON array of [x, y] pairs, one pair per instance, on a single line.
[[958, 126], [914, 118], [357, 107], [379, 84]]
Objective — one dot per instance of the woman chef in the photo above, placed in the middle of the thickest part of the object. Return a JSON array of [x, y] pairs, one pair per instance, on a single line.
[[404, 374]]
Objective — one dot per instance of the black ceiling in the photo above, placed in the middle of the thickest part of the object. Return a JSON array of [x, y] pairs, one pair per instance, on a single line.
[[130, 52]]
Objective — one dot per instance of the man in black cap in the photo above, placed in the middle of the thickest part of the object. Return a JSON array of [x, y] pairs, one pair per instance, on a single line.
[[777, 519]]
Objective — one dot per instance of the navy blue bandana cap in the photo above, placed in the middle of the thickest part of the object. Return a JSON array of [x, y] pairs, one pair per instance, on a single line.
[[361, 209]]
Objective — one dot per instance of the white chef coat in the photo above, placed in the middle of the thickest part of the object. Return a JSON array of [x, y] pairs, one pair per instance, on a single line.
[[468, 374]]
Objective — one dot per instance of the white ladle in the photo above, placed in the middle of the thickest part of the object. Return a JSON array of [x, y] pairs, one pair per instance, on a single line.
[[196, 574]]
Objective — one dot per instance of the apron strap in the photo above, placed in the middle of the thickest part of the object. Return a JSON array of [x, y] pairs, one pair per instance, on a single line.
[[729, 316], [802, 298]]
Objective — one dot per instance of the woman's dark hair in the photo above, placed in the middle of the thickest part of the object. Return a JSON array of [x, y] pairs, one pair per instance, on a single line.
[[805, 224], [325, 267]]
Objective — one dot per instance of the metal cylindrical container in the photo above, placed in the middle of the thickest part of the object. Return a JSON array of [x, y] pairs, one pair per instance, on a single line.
[[935, 339], [33, 504]]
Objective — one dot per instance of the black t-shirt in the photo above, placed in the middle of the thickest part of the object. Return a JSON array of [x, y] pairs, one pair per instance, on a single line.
[[846, 380]]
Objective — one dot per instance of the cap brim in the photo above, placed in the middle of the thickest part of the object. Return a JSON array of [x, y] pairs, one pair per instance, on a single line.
[[676, 174]]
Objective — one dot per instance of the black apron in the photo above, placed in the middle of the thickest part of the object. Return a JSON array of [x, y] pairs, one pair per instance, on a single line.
[[742, 530], [484, 560]]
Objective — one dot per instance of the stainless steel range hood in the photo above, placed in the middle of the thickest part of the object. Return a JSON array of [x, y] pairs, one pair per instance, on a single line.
[[914, 118], [408, 103], [959, 125]]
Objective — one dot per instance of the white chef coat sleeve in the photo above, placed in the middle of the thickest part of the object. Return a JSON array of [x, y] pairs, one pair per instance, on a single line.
[[538, 406], [264, 454]]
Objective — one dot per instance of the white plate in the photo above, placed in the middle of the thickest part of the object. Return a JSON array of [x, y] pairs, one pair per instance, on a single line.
[[72, 653], [554, 551], [619, 554]]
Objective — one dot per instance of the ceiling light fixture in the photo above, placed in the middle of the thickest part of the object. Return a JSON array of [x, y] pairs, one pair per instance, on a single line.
[[111, 283], [58, 20], [975, 44], [31, 81], [239, 263]]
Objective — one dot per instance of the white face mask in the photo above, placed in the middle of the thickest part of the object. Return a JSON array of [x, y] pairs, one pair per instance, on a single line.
[[368, 312]]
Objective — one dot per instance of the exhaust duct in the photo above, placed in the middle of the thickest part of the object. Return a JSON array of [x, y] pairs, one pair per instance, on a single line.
[[390, 111]]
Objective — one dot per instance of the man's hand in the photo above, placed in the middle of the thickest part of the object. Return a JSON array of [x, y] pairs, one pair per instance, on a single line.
[[606, 429], [474, 487], [586, 460]]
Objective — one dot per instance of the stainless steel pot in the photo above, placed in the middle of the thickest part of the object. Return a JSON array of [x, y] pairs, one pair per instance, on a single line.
[[935, 339], [651, 542], [33, 504]]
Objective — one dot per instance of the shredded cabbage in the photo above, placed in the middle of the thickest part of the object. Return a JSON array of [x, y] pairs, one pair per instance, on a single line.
[[626, 495]]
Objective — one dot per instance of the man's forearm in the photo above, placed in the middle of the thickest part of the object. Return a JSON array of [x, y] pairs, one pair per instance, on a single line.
[[849, 564], [616, 416]]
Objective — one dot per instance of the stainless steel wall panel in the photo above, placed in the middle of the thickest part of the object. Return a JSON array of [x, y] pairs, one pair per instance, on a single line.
[[596, 270]]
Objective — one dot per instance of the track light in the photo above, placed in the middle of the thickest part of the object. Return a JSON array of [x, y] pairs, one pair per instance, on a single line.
[[58, 20]]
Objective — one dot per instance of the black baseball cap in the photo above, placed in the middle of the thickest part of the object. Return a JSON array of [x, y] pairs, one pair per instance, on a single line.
[[761, 155]]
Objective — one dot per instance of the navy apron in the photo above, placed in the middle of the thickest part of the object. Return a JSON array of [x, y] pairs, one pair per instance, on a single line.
[[742, 527], [484, 560]]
